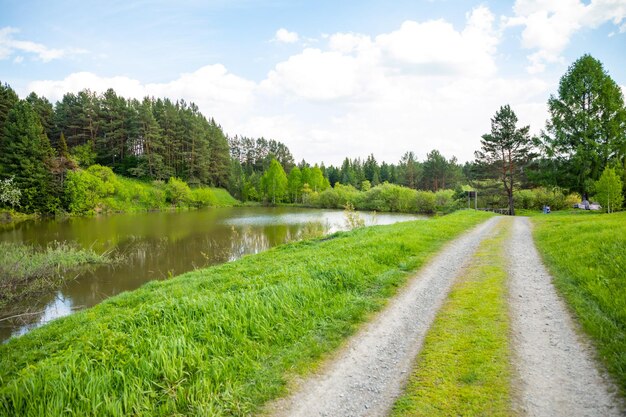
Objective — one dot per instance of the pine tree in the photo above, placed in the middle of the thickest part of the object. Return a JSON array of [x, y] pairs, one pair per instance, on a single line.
[[505, 151], [24, 153]]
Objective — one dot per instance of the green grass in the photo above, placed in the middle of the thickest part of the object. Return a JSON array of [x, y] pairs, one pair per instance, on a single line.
[[218, 341], [463, 368], [586, 255], [27, 271], [222, 198]]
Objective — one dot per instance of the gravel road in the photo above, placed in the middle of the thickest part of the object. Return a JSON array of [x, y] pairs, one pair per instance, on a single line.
[[368, 374], [556, 373]]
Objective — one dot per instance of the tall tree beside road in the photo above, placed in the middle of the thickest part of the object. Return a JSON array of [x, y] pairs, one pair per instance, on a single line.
[[587, 127], [505, 151]]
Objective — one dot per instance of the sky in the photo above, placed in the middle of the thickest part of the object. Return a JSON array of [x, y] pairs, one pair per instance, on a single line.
[[330, 79]]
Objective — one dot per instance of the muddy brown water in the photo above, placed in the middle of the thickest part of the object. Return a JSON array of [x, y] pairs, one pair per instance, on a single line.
[[159, 245]]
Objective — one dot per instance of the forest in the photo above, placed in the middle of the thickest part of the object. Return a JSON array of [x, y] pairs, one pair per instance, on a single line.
[[71, 155]]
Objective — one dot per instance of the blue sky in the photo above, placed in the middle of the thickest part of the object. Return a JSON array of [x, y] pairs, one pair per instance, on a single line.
[[330, 79]]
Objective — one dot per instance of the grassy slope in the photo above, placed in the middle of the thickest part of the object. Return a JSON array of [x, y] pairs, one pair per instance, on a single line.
[[223, 198], [463, 368], [218, 341], [132, 195], [586, 254]]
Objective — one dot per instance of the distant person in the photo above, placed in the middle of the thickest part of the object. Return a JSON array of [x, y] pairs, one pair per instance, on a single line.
[[547, 209]]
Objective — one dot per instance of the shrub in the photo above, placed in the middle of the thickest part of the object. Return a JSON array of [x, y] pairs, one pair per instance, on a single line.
[[84, 191], [177, 192], [445, 202], [524, 199], [425, 202], [549, 197], [202, 197]]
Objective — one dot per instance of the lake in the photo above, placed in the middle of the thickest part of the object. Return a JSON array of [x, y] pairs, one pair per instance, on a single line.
[[159, 245]]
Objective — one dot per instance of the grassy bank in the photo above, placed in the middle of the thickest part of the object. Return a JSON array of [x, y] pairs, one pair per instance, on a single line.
[[97, 189], [587, 257], [463, 368], [27, 271], [218, 341]]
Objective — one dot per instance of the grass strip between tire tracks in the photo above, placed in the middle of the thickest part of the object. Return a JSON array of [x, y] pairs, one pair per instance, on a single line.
[[464, 366], [218, 341]]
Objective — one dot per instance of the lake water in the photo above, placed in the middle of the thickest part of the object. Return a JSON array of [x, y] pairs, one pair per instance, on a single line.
[[159, 245]]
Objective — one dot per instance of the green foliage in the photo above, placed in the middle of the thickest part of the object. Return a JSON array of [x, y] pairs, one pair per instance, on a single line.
[[609, 191], [425, 202], [505, 151], [98, 189], [294, 184], [85, 191], [24, 153], [27, 271], [8, 99], [587, 126], [586, 256], [218, 341], [177, 192], [537, 198], [274, 183], [463, 368], [554, 198], [84, 155]]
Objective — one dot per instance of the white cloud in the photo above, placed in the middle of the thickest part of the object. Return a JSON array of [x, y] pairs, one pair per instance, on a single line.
[[548, 25], [9, 46], [435, 47], [284, 36], [425, 85], [315, 75], [216, 91]]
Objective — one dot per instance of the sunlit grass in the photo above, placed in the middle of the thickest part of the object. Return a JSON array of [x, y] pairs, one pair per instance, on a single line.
[[219, 341], [587, 257], [463, 368]]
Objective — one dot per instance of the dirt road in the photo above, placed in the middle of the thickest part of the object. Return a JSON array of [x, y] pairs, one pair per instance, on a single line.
[[555, 374]]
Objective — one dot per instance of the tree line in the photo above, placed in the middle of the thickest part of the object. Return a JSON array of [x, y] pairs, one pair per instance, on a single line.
[[158, 139]]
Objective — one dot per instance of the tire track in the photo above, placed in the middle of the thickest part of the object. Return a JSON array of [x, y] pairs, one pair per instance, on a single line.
[[368, 374], [556, 374]]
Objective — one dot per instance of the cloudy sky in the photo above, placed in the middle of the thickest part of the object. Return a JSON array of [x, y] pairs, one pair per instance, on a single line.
[[328, 78]]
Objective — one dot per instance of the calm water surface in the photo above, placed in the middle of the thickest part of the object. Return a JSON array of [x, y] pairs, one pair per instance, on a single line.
[[163, 244]]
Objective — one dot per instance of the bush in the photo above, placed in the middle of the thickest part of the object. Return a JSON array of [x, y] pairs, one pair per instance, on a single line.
[[445, 202], [524, 199], [425, 202], [177, 192], [549, 197], [203, 197], [84, 191]]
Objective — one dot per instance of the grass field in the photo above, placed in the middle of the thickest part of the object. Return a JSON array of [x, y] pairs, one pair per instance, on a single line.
[[586, 254], [218, 341], [463, 368]]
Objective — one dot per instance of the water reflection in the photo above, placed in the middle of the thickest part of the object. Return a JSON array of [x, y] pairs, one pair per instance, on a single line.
[[160, 245]]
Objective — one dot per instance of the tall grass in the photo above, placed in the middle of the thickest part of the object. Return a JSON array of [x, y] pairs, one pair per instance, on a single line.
[[26, 270], [463, 368], [218, 341], [587, 257]]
